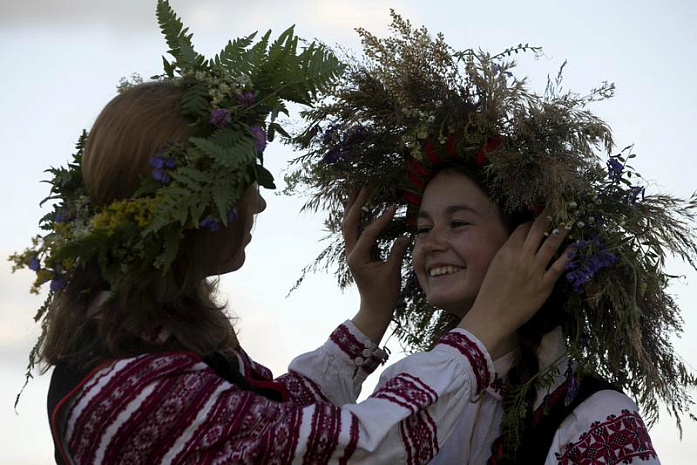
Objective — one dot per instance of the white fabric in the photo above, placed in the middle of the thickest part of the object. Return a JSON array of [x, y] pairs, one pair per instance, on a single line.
[[478, 419], [478, 427], [442, 371]]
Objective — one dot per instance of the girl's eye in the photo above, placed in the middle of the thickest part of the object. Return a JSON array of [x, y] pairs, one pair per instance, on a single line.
[[459, 223], [422, 229]]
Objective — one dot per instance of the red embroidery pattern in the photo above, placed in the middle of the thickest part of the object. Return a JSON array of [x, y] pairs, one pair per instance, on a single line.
[[113, 392], [475, 356], [408, 391], [354, 348], [619, 439], [302, 391], [353, 443], [324, 433], [172, 408], [419, 437]]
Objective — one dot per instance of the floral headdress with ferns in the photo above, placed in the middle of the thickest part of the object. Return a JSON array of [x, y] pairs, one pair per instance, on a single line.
[[233, 101], [412, 105]]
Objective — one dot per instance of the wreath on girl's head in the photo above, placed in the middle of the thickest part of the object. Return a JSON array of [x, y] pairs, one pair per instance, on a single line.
[[411, 104]]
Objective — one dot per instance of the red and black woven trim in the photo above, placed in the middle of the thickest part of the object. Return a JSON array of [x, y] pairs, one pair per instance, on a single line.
[[420, 171]]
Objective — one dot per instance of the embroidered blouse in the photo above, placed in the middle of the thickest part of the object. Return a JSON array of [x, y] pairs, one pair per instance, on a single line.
[[174, 408], [604, 429]]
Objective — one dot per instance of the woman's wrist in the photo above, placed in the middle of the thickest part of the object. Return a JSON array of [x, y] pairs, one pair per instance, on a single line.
[[371, 323], [492, 334]]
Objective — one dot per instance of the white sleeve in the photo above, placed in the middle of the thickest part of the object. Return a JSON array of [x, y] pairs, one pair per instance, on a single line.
[[606, 428], [340, 366]]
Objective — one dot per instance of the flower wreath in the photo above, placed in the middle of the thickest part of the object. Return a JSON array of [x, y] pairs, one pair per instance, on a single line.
[[233, 101], [412, 105]]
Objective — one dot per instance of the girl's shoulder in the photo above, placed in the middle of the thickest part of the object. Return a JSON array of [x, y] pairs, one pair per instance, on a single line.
[[606, 425]]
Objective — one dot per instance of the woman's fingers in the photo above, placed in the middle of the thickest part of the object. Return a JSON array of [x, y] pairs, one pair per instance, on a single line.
[[367, 237], [551, 245], [352, 215], [537, 231], [559, 265], [399, 248]]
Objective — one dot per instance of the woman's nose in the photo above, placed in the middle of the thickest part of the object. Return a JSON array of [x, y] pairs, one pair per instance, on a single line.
[[261, 204]]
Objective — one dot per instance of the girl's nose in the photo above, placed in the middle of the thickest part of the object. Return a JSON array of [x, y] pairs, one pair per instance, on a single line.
[[435, 240]]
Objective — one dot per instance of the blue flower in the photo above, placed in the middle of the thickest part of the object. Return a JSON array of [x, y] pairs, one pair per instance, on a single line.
[[58, 283], [220, 117], [614, 169], [634, 193], [259, 138], [34, 263], [210, 224]]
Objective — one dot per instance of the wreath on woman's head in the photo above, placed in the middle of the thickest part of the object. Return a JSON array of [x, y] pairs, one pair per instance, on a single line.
[[233, 101], [411, 105]]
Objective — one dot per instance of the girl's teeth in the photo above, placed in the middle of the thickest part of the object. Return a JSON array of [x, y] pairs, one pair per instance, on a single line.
[[441, 270]]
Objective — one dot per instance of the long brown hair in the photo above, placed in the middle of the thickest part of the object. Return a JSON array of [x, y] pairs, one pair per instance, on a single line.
[[151, 311]]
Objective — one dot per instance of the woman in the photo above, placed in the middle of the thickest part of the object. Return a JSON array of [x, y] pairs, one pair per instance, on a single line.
[[470, 153], [161, 196]]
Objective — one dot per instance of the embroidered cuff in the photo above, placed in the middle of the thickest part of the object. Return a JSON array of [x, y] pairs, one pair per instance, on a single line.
[[363, 352], [475, 352]]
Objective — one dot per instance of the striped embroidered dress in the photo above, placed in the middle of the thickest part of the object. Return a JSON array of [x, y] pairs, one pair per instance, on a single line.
[[175, 408]]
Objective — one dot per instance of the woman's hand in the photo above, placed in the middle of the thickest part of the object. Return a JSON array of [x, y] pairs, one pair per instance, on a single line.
[[378, 281], [519, 280]]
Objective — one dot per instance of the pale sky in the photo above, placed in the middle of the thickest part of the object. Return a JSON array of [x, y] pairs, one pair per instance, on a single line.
[[61, 61]]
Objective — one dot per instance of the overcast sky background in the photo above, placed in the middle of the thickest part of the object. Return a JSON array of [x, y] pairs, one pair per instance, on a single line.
[[61, 61]]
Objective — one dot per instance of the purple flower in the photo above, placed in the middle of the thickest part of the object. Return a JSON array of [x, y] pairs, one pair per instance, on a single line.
[[579, 272], [220, 117], [58, 283], [162, 161], [498, 69], [161, 175], [232, 215], [634, 193], [160, 164], [246, 98], [259, 138], [63, 216], [210, 224], [34, 263], [614, 169], [572, 390]]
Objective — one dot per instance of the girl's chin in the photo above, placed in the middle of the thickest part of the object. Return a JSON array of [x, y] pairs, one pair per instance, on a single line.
[[458, 307]]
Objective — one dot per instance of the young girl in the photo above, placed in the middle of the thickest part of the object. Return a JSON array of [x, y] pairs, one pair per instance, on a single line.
[[160, 196], [471, 154]]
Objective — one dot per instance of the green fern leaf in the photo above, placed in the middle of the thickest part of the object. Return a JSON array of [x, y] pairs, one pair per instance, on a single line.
[[177, 37], [233, 58], [228, 147], [195, 101]]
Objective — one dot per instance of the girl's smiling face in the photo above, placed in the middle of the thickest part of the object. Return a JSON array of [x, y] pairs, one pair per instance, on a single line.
[[459, 232]]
